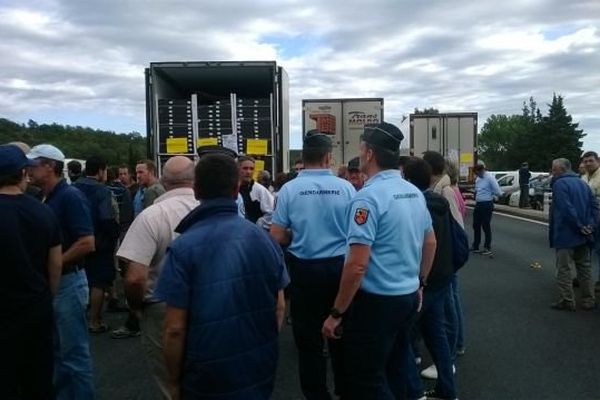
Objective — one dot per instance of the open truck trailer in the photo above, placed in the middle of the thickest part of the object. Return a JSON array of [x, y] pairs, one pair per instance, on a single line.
[[240, 105]]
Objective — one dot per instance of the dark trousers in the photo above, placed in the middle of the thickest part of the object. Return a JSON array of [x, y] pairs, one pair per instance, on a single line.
[[482, 218], [26, 351], [524, 196], [375, 341], [315, 286]]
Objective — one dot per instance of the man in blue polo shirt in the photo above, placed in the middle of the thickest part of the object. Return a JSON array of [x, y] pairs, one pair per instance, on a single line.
[[486, 187], [73, 376], [392, 246], [311, 212], [223, 281]]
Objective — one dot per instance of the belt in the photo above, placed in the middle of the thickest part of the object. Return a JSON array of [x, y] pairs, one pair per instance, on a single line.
[[76, 268]]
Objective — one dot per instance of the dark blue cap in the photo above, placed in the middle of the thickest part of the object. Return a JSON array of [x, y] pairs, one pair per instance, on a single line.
[[315, 138], [384, 135], [12, 160]]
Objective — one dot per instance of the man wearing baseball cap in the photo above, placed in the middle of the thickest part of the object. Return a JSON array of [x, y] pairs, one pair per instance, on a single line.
[[73, 376], [355, 177], [391, 250], [31, 262]]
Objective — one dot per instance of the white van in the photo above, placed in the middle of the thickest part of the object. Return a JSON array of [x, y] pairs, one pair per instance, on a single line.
[[510, 180]]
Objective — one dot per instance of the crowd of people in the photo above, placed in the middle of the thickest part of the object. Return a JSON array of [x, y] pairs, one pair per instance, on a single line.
[[204, 259]]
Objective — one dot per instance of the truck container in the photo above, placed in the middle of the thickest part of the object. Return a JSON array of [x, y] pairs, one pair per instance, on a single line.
[[344, 120], [454, 135], [242, 105]]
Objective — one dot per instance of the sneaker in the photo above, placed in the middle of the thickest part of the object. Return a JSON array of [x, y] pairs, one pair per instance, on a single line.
[[431, 372], [563, 305], [460, 352], [124, 333], [474, 250], [486, 252], [432, 395]]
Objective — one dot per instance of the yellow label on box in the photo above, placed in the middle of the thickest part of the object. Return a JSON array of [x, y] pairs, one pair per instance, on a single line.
[[466, 157], [207, 141], [257, 147], [259, 165], [177, 145]]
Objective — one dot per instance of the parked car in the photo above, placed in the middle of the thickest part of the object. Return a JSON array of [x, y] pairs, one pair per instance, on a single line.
[[537, 187]]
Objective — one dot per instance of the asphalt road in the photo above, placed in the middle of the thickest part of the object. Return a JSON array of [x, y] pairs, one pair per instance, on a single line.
[[517, 347]]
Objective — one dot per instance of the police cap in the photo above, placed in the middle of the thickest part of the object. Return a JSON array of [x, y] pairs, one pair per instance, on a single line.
[[384, 135], [316, 139], [215, 149]]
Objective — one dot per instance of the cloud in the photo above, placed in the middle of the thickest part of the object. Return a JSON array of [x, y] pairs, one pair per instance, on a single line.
[[79, 62]]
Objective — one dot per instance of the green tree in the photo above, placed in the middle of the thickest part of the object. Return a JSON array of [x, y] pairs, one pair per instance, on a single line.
[[497, 140], [77, 141], [507, 141], [556, 136]]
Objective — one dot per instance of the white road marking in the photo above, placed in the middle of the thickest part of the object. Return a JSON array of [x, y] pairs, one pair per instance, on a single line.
[[533, 221]]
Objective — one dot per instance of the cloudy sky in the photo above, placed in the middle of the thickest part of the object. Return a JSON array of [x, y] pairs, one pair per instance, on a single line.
[[82, 63]]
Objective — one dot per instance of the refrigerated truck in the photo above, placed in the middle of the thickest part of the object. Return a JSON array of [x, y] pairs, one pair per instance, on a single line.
[[454, 135], [344, 120], [242, 105]]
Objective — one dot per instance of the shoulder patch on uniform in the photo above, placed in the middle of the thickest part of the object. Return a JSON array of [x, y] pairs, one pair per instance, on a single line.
[[361, 215]]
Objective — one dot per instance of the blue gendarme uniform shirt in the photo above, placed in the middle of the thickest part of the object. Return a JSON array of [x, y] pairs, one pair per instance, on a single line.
[[486, 187], [390, 215], [314, 206], [72, 210]]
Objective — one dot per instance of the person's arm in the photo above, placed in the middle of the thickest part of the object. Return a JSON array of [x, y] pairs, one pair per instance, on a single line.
[[281, 220], [174, 336], [561, 201], [496, 191], [280, 308], [352, 276], [78, 250], [267, 201], [55, 263], [280, 234], [427, 255], [136, 279]]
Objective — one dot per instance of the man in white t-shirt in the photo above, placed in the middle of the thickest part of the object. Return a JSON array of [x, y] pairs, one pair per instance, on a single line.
[[258, 201], [144, 248]]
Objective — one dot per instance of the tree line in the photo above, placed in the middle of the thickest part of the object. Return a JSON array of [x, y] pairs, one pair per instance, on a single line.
[[78, 142], [506, 141]]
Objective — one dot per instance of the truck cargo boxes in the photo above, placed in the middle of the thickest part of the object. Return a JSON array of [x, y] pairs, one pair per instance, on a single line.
[[240, 105]]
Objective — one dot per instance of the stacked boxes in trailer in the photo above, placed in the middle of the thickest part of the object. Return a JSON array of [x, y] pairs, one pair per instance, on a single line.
[[454, 135], [344, 120], [243, 106]]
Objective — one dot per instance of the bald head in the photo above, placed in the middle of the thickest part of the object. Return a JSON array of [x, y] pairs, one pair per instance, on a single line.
[[178, 172]]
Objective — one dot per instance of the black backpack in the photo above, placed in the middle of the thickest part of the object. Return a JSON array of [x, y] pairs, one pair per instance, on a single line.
[[460, 244]]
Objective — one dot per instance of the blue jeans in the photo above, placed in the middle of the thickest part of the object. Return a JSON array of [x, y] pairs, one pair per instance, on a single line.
[[432, 323], [73, 377], [460, 319]]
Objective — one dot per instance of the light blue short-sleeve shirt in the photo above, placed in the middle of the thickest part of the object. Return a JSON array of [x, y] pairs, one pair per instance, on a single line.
[[314, 206], [390, 215]]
